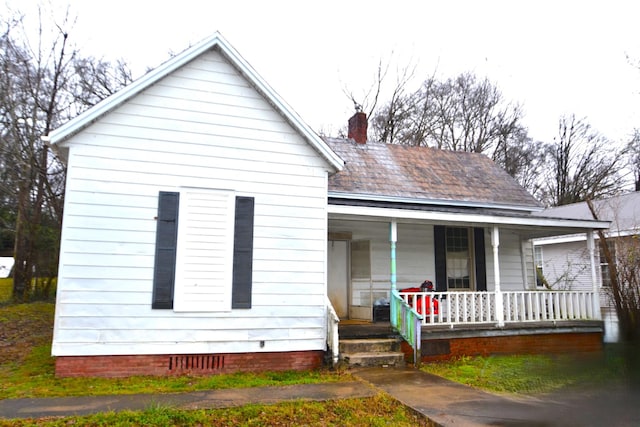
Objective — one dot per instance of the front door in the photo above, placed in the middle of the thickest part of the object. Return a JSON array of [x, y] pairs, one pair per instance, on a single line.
[[360, 306], [338, 276]]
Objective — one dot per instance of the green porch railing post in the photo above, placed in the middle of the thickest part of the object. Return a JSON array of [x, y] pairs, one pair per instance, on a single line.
[[393, 238]]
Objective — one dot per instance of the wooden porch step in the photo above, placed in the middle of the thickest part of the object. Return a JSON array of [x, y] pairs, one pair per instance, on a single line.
[[372, 352]]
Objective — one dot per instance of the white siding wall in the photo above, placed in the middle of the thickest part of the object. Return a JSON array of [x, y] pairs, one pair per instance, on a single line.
[[415, 260], [566, 266], [510, 257], [204, 127], [414, 252]]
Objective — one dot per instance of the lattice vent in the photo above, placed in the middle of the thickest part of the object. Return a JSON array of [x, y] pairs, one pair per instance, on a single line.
[[196, 362]]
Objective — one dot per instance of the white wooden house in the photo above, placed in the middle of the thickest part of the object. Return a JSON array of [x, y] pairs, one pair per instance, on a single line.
[[206, 228]]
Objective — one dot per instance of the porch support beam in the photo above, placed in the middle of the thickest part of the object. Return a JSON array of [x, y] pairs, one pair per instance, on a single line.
[[393, 238], [523, 260], [495, 243], [591, 247]]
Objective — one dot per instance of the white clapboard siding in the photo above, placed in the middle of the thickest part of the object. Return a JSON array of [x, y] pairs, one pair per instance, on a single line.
[[197, 319], [202, 127], [204, 259], [567, 266], [509, 255], [415, 254], [191, 347]]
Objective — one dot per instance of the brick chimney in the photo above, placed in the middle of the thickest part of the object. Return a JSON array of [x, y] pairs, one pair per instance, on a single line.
[[358, 127]]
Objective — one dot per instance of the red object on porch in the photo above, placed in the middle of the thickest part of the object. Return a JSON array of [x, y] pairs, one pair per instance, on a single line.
[[428, 302]]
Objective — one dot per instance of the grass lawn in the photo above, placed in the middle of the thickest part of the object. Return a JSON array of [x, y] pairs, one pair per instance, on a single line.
[[536, 374], [27, 370], [380, 410], [6, 288]]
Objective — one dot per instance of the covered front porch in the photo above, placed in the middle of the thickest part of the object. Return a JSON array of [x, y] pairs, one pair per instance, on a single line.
[[482, 269]]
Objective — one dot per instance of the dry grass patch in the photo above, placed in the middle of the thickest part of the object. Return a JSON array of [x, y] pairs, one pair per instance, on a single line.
[[380, 410]]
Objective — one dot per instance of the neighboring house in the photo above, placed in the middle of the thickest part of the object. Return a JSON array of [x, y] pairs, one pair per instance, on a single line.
[[6, 264], [205, 225], [564, 260]]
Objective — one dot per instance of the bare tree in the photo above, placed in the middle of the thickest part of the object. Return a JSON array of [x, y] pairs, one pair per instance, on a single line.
[[522, 158], [634, 158], [460, 114], [582, 165], [624, 278], [41, 85], [369, 99]]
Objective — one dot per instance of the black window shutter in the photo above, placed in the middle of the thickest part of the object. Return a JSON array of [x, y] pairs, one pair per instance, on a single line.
[[243, 253], [481, 259], [439, 243], [164, 269]]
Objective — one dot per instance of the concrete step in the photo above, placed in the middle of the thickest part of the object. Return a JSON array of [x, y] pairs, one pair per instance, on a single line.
[[372, 352], [374, 359], [369, 345]]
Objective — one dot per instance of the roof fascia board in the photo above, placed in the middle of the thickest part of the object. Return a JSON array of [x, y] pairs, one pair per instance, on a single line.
[[553, 240], [466, 218], [289, 113], [75, 125], [610, 234], [435, 202]]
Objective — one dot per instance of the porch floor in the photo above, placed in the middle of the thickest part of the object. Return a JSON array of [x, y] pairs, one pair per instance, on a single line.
[[364, 329]]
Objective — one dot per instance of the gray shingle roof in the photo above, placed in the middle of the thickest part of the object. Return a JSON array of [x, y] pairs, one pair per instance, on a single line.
[[623, 211], [424, 174]]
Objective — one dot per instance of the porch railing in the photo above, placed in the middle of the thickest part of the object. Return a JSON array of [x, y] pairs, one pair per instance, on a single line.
[[333, 341], [536, 306], [459, 308], [407, 321]]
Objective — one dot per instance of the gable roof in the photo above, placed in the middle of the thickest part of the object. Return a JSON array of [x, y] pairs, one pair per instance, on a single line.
[[622, 210], [216, 41], [399, 173]]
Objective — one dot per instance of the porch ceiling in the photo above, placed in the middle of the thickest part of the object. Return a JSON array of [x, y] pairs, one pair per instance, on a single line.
[[526, 225]]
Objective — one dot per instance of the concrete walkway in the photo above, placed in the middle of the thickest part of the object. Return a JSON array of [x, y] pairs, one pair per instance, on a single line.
[[452, 404], [444, 402], [209, 399]]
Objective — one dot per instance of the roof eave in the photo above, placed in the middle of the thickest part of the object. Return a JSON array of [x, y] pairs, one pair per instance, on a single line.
[[434, 202], [471, 217]]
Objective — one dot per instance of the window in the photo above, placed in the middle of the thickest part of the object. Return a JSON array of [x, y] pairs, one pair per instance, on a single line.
[[604, 265], [204, 251], [361, 260], [538, 261], [459, 261], [460, 258]]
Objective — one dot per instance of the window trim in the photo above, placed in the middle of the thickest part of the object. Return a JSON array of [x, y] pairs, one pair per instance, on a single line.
[[167, 283], [477, 254]]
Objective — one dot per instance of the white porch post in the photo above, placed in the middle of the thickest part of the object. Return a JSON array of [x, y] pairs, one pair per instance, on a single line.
[[525, 276], [594, 277], [495, 243]]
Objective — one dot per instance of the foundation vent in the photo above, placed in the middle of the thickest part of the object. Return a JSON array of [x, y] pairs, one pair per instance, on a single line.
[[198, 362]]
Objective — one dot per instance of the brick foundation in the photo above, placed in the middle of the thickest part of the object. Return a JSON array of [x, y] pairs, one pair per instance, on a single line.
[[178, 364], [448, 348]]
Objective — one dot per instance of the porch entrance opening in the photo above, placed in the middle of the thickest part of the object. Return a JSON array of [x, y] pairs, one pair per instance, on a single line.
[[349, 279], [338, 276]]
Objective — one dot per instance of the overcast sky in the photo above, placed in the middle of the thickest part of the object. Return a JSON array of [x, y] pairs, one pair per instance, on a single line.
[[553, 57]]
